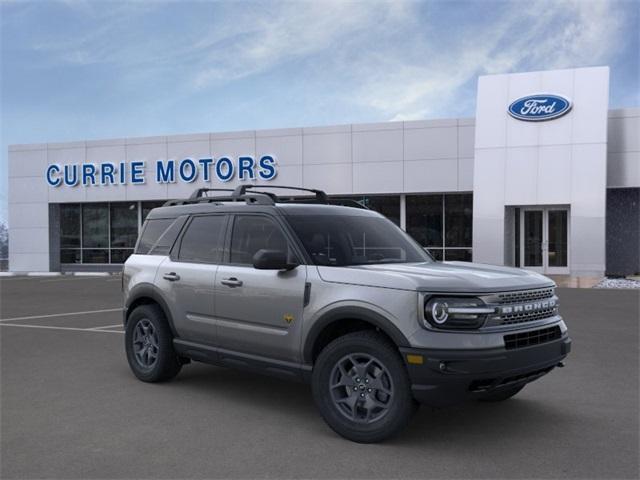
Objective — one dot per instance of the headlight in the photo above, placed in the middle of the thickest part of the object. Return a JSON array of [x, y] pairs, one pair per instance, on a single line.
[[455, 312]]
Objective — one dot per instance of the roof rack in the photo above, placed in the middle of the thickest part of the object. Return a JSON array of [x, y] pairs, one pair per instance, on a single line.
[[240, 193], [321, 196]]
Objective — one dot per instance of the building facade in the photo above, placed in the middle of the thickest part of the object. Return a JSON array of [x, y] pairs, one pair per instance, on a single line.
[[545, 177]]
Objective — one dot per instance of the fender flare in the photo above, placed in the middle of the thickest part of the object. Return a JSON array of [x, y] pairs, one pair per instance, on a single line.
[[149, 291], [351, 313]]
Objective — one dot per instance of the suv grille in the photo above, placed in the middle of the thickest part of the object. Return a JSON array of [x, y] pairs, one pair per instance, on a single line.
[[539, 303], [535, 337], [508, 298]]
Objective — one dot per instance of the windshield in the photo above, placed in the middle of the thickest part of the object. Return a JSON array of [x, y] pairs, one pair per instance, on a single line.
[[344, 240]]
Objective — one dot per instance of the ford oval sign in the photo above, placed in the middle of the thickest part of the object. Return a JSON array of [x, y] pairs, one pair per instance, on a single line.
[[536, 108]]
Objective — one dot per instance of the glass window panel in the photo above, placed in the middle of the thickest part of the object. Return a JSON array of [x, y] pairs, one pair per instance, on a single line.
[[69, 225], [151, 233], [95, 225], [387, 205], [533, 238], [253, 233], [517, 238], [148, 206], [458, 214], [70, 255], [124, 225], [95, 256], [558, 238], [436, 253], [202, 242], [120, 255], [164, 244], [425, 220], [457, 254], [343, 240]]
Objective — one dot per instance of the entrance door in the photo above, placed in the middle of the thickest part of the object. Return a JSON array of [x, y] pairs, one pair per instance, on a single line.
[[544, 239]]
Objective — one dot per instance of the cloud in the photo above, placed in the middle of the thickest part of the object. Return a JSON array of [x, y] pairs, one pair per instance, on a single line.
[[538, 35]]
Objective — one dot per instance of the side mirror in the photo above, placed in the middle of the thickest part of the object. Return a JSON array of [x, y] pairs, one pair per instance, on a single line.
[[272, 260]]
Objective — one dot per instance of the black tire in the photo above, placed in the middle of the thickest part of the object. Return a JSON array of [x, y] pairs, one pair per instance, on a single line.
[[158, 342], [346, 419], [501, 395]]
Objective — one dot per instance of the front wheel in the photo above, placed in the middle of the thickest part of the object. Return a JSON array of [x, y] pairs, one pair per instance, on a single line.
[[361, 387], [149, 345]]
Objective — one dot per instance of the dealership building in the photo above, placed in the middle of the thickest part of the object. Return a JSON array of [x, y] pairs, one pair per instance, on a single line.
[[545, 177]]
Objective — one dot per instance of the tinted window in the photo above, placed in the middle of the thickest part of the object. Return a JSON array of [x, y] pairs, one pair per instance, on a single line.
[[202, 242], [124, 225], [168, 238], [353, 240], [95, 226], [425, 219], [69, 226], [151, 233], [253, 233]]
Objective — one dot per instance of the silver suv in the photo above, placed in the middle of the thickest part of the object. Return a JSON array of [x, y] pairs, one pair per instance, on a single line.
[[337, 296]]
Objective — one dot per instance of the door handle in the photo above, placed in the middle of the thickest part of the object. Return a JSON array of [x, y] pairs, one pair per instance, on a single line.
[[231, 282], [172, 276]]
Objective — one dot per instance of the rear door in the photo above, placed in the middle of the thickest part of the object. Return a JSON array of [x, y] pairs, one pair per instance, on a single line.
[[259, 312], [187, 277]]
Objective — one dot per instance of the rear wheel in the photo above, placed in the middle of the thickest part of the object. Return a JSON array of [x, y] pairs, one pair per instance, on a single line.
[[361, 387], [501, 395], [149, 345]]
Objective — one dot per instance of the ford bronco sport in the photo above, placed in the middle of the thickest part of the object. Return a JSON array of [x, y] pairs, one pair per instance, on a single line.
[[334, 295]]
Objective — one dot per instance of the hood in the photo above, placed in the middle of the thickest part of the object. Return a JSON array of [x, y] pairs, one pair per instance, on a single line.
[[437, 277]]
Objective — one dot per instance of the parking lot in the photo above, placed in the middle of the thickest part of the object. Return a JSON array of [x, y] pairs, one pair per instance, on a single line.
[[71, 408]]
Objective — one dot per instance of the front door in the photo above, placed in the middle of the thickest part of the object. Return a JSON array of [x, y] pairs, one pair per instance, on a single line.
[[543, 238], [259, 311]]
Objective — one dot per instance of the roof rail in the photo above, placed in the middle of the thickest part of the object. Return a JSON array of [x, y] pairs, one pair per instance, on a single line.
[[321, 196], [199, 196], [240, 193], [200, 192]]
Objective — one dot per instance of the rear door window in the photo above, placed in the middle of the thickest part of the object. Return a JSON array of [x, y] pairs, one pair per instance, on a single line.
[[203, 239]]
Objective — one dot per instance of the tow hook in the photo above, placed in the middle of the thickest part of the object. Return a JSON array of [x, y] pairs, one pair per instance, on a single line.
[[560, 365]]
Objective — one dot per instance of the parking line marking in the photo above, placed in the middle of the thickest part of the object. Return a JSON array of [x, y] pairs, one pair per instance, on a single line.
[[33, 317], [71, 279], [48, 327], [106, 326]]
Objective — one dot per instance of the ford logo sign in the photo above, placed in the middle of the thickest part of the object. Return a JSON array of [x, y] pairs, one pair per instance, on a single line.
[[536, 108]]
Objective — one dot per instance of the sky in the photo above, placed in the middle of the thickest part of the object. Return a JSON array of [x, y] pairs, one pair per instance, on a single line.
[[78, 70]]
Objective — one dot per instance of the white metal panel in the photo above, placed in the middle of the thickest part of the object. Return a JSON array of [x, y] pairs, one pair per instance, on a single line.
[[623, 169], [378, 177], [377, 146], [521, 176], [287, 149], [29, 240], [431, 175], [27, 163], [591, 105], [327, 148], [334, 178], [554, 175], [431, 143], [588, 180]]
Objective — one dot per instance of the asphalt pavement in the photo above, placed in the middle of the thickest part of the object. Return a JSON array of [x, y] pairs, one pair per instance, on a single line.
[[70, 408]]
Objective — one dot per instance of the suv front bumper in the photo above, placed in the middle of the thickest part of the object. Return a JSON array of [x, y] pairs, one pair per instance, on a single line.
[[446, 377]]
